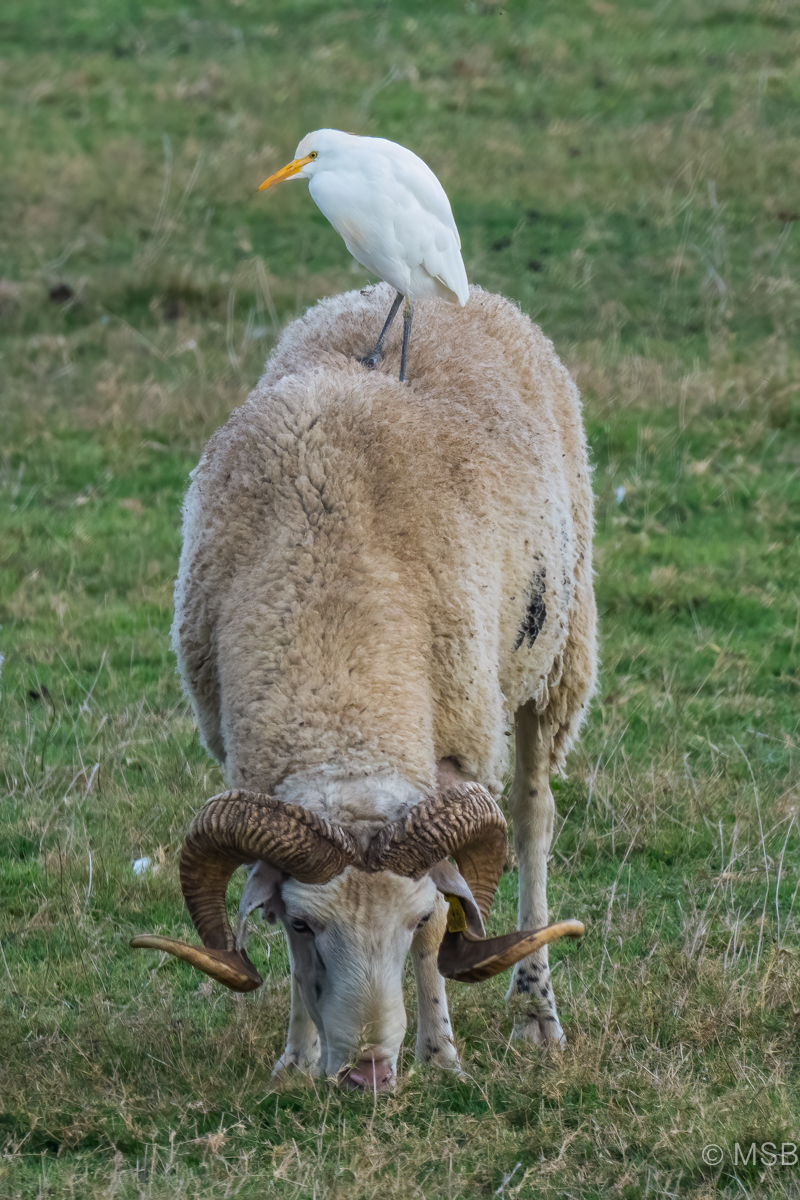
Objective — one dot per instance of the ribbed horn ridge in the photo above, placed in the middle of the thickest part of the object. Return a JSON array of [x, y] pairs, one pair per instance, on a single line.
[[466, 822], [245, 827]]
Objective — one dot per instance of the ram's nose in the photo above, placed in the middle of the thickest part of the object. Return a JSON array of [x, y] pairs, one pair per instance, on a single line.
[[369, 1075]]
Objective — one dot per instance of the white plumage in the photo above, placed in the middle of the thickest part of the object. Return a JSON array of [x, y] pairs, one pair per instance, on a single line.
[[392, 213]]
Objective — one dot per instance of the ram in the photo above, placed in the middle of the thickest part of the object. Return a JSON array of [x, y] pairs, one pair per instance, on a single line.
[[378, 581]]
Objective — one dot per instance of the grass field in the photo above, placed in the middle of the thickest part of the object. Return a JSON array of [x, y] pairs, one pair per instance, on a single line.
[[630, 174]]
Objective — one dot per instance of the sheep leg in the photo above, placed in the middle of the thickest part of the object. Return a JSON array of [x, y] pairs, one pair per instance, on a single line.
[[408, 316], [374, 355], [303, 1049], [434, 1033], [532, 812]]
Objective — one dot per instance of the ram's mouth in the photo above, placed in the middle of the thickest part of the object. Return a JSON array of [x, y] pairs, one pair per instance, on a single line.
[[368, 1075]]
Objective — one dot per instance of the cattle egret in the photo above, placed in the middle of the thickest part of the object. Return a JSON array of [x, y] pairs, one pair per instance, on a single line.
[[393, 214]]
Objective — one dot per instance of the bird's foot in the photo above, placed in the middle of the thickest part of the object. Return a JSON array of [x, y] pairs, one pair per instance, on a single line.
[[370, 361]]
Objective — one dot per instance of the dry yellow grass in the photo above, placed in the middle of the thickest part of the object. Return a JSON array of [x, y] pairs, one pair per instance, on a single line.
[[629, 174]]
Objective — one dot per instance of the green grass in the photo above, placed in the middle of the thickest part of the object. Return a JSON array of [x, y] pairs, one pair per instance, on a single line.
[[629, 174]]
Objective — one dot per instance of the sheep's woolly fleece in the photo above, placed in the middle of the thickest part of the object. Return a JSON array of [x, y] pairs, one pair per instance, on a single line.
[[376, 575]]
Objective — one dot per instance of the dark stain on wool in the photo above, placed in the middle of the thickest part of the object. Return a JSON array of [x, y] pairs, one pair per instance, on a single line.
[[536, 611]]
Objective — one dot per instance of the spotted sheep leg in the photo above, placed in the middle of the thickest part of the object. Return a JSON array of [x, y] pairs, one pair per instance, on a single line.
[[532, 814], [434, 1033], [304, 1051]]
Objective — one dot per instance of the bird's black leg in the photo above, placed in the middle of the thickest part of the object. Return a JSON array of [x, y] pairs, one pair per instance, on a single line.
[[372, 358], [408, 314]]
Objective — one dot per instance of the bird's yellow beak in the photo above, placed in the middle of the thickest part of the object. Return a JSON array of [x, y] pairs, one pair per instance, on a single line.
[[286, 172]]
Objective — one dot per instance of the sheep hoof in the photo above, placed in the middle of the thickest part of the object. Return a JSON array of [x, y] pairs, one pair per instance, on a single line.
[[455, 1071], [294, 1065], [544, 1031], [444, 1058]]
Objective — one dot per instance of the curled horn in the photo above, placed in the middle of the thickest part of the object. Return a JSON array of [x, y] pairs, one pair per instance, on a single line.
[[471, 960], [244, 827], [466, 822]]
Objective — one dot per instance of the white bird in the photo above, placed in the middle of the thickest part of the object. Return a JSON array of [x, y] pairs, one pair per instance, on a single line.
[[393, 214]]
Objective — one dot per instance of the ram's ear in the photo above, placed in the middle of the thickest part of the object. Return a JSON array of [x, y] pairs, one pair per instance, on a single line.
[[464, 914], [262, 890]]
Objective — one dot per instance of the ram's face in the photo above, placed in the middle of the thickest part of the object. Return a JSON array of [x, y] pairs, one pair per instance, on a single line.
[[349, 940], [351, 911]]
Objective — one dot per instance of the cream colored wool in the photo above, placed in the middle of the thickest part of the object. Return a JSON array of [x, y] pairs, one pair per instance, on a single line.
[[362, 559], [358, 553]]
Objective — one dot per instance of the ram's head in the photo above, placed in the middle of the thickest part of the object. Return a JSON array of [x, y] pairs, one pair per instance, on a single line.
[[351, 912]]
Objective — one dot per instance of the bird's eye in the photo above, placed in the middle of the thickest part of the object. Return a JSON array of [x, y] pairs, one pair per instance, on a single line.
[[313, 154], [300, 927]]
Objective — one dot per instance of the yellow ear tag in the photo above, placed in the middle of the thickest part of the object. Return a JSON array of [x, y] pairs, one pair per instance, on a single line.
[[456, 920]]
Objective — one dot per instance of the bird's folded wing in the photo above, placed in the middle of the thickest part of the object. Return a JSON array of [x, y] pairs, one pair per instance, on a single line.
[[442, 259], [428, 209], [412, 175]]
